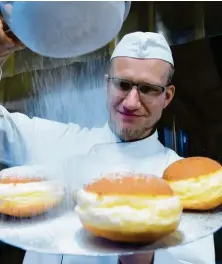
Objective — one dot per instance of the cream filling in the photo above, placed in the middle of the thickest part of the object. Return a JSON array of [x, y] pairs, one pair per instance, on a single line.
[[202, 188], [23, 192], [129, 213]]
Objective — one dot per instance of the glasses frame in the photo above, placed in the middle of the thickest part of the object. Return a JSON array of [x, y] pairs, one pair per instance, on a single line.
[[163, 88]]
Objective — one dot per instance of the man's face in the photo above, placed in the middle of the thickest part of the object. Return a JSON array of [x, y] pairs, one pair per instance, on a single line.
[[133, 113]]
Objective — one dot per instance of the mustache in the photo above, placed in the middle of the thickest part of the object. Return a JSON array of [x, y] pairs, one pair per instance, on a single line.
[[128, 112]]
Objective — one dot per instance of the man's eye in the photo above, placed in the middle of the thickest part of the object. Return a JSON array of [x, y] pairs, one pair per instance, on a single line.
[[124, 86], [150, 89]]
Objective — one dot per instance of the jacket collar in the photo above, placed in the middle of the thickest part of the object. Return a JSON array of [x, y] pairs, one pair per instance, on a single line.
[[146, 146], [109, 136]]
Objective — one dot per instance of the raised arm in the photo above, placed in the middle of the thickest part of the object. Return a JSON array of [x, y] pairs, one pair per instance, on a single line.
[[24, 140]]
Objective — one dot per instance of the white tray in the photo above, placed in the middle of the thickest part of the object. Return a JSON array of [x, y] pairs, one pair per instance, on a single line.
[[60, 232]]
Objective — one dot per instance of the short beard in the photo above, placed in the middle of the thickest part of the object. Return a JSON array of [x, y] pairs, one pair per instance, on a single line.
[[129, 135]]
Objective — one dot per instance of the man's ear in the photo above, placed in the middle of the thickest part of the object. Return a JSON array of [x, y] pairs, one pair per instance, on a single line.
[[106, 81], [106, 78], [170, 91]]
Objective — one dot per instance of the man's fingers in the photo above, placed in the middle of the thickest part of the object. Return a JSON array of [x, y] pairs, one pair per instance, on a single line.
[[3, 37], [4, 25], [8, 41]]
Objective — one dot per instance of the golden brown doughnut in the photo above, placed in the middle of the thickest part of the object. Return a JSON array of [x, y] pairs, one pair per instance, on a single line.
[[25, 197], [198, 182], [129, 208]]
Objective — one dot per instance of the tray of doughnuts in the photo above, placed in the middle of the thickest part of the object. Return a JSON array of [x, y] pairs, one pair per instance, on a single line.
[[102, 209]]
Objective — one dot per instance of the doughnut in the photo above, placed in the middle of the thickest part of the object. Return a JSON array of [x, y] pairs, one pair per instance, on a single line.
[[131, 208], [26, 197], [197, 181]]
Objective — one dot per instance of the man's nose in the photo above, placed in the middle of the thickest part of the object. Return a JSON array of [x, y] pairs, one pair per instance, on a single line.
[[132, 100]]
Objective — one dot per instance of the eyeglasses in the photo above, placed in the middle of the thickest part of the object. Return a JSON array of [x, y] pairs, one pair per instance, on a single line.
[[125, 87]]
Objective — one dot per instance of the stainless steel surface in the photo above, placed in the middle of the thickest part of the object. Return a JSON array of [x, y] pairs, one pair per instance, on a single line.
[[60, 232], [65, 29]]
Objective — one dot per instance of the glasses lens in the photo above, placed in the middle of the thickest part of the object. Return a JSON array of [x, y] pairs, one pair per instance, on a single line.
[[121, 85], [150, 89]]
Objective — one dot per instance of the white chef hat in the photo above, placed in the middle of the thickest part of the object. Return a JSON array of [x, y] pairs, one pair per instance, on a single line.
[[144, 45]]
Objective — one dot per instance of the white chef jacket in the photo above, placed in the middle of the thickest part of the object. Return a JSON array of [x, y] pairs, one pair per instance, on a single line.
[[39, 141]]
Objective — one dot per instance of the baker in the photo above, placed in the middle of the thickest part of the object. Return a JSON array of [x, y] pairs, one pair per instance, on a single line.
[[138, 90]]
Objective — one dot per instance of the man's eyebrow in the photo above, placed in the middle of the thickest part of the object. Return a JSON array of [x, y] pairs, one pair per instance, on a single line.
[[153, 83], [131, 79], [139, 82]]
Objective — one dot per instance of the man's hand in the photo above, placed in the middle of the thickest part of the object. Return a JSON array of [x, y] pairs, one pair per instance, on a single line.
[[9, 43], [143, 258]]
